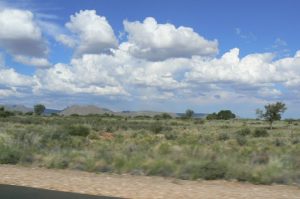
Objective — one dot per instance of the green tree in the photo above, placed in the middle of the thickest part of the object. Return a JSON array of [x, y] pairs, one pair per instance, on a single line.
[[189, 113], [225, 115], [4, 113], [39, 109], [273, 112], [212, 116], [221, 115], [259, 113]]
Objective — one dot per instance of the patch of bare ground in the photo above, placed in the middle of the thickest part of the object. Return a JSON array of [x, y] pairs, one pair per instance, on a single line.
[[129, 186]]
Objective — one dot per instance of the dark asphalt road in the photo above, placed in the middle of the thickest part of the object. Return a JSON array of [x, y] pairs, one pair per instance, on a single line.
[[19, 192]]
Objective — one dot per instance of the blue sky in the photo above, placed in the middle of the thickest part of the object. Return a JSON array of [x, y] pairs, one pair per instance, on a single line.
[[151, 55]]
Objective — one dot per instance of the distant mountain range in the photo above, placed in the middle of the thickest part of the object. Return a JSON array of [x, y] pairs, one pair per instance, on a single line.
[[18, 108], [92, 109]]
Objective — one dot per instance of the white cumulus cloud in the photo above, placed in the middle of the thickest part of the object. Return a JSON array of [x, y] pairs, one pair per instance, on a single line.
[[153, 41], [89, 74], [66, 40], [20, 36], [94, 32], [251, 69], [33, 61], [9, 77]]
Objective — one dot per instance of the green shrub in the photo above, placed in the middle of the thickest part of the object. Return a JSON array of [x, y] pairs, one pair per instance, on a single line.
[[161, 168], [241, 140], [199, 121], [295, 140], [59, 162], [162, 116], [77, 130], [29, 113], [156, 128], [9, 155], [269, 174], [4, 113], [279, 142], [223, 136], [260, 132], [211, 170], [240, 172], [171, 135], [260, 158], [244, 132]]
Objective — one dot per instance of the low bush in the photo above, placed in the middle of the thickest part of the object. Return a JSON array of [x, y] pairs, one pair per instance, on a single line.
[[260, 158], [161, 168], [279, 142], [241, 140], [260, 132], [199, 121], [77, 130], [223, 136], [9, 155], [156, 128], [171, 135], [213, 170], [244, 132]]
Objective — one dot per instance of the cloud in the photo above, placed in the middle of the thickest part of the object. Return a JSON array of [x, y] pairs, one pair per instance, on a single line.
[[8, 92], [89, 74], [152, 41], [157, 62], [279, 43], [20, 36], [13, 83], [66, 40], [247, 36], [10, 78], [2, 61], [33, 61], [121, 74], [251, 69], [289, 68], [94, 32], [280, 47]]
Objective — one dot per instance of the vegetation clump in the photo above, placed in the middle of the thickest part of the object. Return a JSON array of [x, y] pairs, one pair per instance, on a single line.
[[4, 113], [221, 115], [260, 132], [77, 130], [272, 112], [39, 109], [244, 132]]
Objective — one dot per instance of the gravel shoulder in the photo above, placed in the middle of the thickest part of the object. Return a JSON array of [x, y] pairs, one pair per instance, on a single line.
[[140, 187]]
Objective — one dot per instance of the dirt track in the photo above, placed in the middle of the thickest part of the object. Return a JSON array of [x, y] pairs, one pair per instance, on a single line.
[[128, 186]]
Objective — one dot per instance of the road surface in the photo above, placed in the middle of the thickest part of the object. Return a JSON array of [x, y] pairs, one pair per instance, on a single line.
[[20, 192]]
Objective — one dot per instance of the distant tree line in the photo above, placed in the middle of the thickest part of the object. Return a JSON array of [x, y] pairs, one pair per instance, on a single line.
[[221, 115], [5, 113]]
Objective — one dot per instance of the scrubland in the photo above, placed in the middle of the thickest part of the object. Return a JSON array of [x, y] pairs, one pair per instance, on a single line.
[[193, 149]]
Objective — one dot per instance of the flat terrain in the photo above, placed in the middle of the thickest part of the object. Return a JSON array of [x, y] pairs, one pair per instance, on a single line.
[[185, 149], [129, 186]]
